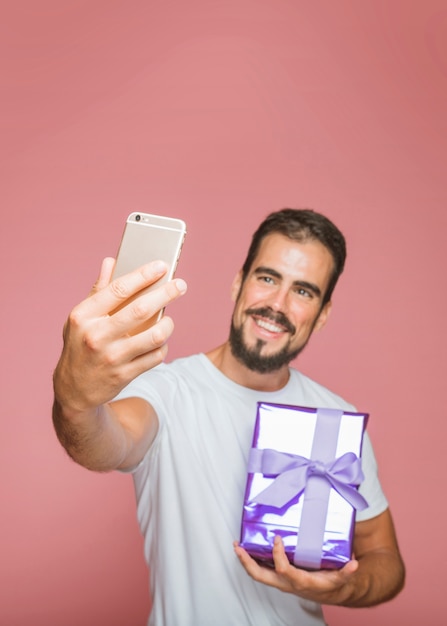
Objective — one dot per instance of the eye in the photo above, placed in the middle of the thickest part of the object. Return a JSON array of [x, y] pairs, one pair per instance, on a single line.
[[301, 291], [267, 279]]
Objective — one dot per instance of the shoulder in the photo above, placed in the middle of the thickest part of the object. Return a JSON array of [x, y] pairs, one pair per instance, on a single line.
[[316, 394], [163, 381], [184, 366]]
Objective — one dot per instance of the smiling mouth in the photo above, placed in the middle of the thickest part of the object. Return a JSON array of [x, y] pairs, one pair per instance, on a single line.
[[270, 326], [272, 321]]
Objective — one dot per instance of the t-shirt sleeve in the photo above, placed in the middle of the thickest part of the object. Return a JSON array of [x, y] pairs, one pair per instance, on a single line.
[[151, 386], [371, 488]]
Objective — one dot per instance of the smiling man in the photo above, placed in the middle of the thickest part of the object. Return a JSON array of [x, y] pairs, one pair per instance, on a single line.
[[184, 430], [279, 303]]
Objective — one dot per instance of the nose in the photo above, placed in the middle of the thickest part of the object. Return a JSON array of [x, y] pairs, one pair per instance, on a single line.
[[278, 300]]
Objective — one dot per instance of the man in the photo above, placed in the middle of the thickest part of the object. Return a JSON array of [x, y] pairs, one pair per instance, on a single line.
[[184, 430]]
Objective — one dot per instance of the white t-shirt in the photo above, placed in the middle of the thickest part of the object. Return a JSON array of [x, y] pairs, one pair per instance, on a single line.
[[190, 489]]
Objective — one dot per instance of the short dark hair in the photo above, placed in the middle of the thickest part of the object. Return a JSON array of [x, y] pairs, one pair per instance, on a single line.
[[302, 225]]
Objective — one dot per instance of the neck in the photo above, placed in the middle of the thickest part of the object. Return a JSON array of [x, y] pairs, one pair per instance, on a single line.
[[223, 359]]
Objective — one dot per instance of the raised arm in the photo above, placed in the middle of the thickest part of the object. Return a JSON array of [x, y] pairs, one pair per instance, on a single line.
[[375, 575], [100, 357]]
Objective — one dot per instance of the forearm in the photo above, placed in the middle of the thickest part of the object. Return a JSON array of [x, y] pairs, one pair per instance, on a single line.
[[93, 438], [380, 577]]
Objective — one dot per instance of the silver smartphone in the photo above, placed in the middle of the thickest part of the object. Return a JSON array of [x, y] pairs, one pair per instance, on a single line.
[[148, 238]]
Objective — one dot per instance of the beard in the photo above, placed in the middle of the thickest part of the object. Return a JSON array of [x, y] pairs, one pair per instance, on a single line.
[[252, 357]]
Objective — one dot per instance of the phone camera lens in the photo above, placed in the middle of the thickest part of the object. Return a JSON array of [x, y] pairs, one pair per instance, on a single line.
[[137, 218]]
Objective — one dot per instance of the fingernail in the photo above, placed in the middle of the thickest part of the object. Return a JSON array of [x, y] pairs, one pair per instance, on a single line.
[[158, 266], [181, 285]]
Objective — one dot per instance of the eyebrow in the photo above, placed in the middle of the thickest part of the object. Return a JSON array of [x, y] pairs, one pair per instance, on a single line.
[[298, 283]]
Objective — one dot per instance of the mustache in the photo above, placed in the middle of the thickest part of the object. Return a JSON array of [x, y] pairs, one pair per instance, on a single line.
[[274, 316]]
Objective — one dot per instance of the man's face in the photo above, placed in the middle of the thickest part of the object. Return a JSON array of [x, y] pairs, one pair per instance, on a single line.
[[280, 302]]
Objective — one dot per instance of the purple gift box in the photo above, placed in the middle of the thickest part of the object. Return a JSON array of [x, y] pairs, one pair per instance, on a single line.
[[303, 474]]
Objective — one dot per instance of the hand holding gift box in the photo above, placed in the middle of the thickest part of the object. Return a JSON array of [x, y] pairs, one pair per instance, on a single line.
[[304, 470]]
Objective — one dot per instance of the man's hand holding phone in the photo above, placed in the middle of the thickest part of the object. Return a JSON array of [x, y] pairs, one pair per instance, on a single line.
[[110, 338], [103, 350]]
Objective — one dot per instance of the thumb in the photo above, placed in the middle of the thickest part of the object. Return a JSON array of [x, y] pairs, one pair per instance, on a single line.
[[105, 275], [349, 569]]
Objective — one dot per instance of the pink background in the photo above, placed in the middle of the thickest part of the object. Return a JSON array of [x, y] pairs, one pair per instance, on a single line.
[[219, 112]]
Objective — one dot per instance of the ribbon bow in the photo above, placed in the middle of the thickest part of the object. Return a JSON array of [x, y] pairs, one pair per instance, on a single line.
[[293, 471]]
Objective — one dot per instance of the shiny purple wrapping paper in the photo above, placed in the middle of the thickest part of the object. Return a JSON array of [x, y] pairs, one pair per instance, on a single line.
[[293, 430]]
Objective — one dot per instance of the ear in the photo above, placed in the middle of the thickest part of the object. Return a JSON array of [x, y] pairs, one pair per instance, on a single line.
[[323, 317], [236, 286]]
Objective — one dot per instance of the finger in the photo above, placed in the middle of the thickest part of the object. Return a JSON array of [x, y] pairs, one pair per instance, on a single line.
[[143, 363], [131, 316], [148, 341], [115, 293], [280, 559], [248, 563], [105, 274], [348, 570], [257, 572]]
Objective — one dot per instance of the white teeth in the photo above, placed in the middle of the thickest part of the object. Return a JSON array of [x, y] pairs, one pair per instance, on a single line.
[[269, 326]]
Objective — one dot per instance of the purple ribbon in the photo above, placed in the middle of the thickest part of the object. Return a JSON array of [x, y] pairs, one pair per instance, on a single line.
[[292, 473]]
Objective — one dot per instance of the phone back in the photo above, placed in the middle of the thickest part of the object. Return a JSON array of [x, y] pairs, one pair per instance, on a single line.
[[148, 238]]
